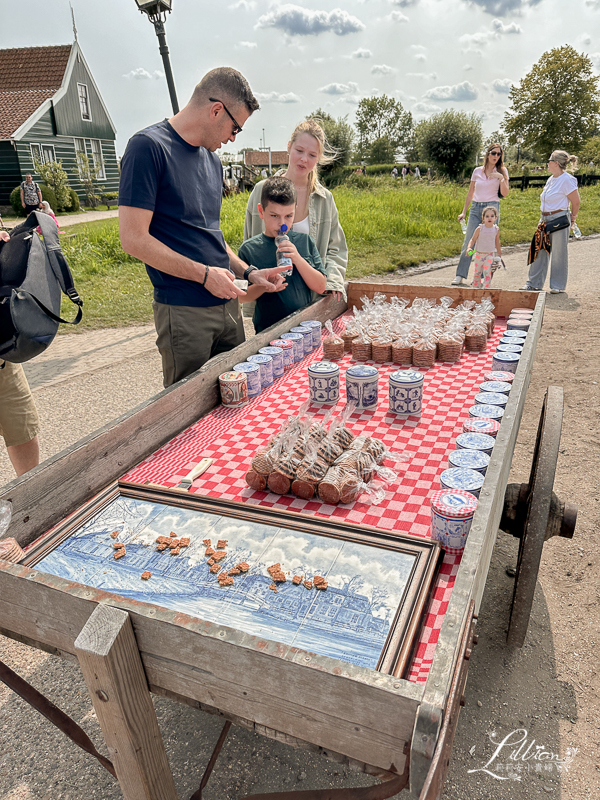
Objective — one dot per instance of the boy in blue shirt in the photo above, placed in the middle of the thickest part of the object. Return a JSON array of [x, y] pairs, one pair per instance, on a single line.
[[277, 208]]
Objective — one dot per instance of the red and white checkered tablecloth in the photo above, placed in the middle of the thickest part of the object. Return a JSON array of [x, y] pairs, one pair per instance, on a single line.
[[232, 436]]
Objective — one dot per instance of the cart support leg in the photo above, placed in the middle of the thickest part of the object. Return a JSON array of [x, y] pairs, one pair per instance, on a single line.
[[115, 677]]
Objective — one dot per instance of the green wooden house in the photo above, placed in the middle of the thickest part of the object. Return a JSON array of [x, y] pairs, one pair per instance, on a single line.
[[51, 108]]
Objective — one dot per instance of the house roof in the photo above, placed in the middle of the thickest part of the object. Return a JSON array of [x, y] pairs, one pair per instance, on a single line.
[[28, 77], [260, 158]]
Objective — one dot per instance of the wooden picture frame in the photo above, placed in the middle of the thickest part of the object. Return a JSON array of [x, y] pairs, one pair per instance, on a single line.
[[388, 616]]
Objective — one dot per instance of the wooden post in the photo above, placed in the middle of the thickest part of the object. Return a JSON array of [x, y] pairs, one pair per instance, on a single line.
[[111, 665]]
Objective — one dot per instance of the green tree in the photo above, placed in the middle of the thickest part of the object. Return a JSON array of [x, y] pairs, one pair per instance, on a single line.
[[382, 117], [557, 104], [87, 173], [590, 152], [340, 136], [450, 141], [54, 176], [382, 152]]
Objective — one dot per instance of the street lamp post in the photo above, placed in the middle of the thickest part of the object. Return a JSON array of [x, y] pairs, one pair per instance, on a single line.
[[519, 143], [156, 10]]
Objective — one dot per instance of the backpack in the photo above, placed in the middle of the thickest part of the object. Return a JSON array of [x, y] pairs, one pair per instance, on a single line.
[[33, 272]]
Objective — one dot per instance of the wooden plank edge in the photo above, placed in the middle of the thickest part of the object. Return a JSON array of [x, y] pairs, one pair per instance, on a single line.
[[64, 482]]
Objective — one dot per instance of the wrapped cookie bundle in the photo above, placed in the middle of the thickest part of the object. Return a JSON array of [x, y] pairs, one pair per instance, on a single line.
[[419, 331], [333, 464]]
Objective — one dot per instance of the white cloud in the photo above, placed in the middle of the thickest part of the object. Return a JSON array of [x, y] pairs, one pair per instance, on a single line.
[[382, 69], [398, 16], [403, 3], [502, 85], [425, 108], [339, 88], [585, 39], [501, 8], [593, 3], [362, 52], [417, 48], [499, 26], [595, 57], [247, 45], [461, 92], [243, 5], [425, 76], [275, 97], [480, 39], [298, 21], [468, 67], [140, 74]]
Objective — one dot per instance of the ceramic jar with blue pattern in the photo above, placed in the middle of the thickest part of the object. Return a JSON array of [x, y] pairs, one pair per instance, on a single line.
[[298, 342], [452, 513], [265, 364], [324, 382], [306, 334], [506, 362], [509, 348], [462, 478], [362, 386], [469, 459], [492, 386], [491, 398], [276, 354], [252, 376], [315, 328], [476, 441], [406, 392]]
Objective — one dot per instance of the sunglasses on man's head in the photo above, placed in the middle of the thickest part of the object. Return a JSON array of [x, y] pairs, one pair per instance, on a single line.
[[238, 127]]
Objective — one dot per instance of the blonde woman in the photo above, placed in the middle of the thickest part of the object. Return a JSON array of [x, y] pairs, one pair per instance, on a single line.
[[560, 193], [487, 184], [316, 212]]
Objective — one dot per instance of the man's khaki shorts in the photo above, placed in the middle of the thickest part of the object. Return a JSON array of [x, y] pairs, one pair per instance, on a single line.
[[19, 421]]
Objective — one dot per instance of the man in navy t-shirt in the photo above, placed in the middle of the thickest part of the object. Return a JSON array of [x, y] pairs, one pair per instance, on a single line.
[[169, 217]]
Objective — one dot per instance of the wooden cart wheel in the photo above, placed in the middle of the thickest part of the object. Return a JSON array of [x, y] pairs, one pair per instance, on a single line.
[[541, 514]]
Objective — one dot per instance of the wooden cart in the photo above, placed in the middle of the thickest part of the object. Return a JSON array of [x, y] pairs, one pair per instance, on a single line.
[[401, 732]]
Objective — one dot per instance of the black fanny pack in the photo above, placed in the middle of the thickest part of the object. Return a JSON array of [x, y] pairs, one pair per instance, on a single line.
[[557, 224]]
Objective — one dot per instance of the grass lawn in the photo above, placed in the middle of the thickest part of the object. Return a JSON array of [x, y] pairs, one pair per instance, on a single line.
[[390, 225]]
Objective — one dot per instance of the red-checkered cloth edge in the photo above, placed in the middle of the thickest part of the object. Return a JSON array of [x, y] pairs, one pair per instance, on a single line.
[[232, 436]]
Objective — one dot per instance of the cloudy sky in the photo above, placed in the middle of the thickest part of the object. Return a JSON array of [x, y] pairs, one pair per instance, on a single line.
[[429, 54]]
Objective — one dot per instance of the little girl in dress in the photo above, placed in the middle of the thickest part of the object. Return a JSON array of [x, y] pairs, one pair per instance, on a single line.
[[485, 241]]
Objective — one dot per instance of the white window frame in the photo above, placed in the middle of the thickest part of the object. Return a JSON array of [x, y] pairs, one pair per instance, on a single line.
[[98, 158], [84, 152], [48, 147], [86, 99]]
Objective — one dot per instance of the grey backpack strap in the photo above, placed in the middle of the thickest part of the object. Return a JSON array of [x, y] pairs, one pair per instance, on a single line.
[[58, 262]]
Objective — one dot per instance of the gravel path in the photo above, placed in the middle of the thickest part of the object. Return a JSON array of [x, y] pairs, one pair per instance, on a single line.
[[549, 689]]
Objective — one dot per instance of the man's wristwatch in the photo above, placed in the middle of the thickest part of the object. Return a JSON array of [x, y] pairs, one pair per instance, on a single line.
[[248, 271]]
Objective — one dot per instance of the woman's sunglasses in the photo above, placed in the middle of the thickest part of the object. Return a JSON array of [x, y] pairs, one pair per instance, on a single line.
[[495, 152]]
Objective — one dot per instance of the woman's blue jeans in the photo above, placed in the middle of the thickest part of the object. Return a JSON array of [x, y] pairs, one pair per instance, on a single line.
[[474, 220]]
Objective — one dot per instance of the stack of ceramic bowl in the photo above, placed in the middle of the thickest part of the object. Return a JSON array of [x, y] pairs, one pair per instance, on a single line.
[[495, 386], [297, 339], [496, 375]]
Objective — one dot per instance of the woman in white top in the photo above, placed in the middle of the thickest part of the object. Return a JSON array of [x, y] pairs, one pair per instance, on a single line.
[[487, 184], [559, 192], [316, 212]]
